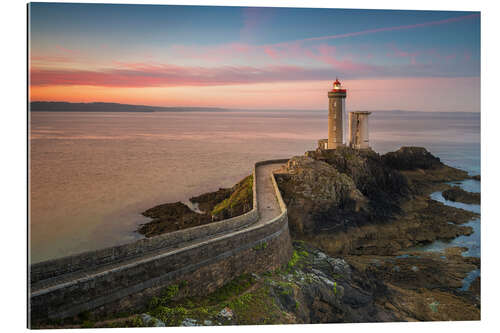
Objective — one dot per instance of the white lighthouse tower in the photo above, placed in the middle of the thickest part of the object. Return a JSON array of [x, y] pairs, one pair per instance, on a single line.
[[340, 132], [336, 116]]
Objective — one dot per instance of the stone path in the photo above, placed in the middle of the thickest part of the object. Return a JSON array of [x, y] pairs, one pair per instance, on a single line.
[[268, 209]]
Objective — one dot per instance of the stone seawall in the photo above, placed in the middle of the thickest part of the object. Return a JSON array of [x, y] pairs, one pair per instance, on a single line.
[[93, 259], [204, 265]]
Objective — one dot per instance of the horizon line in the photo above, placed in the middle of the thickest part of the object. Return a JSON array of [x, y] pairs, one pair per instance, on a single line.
[[239, 109]]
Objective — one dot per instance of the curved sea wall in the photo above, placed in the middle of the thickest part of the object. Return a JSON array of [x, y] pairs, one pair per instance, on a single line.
[[93, 259], [201, 258]]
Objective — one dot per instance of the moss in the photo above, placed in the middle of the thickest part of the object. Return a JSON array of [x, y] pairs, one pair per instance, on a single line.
[[297, 256], [167, 295], [240, 200], [170, 316], [135, 322], [235, 287], [257, 307], [87, 324], [251, 303], [260, 246]]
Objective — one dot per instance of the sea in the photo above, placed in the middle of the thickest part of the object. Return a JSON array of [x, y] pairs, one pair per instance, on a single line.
[[91, 174]]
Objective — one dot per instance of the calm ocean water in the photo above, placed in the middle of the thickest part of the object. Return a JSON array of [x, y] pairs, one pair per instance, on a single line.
[[92, 174]]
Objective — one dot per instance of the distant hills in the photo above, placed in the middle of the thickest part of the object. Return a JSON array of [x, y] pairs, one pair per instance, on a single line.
[[109, 107]]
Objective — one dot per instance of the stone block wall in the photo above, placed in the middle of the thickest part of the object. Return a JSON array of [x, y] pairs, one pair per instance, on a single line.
[[205, 265], [92, 259]]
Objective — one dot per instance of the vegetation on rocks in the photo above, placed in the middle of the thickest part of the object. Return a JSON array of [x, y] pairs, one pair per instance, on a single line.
[[355, 216], [239, 201], [317, 288], [214, 206]]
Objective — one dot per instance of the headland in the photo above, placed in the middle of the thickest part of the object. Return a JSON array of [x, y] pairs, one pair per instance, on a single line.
[[355, 218]]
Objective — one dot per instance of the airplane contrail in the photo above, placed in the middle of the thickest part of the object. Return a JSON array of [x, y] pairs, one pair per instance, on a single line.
[[400, 27]]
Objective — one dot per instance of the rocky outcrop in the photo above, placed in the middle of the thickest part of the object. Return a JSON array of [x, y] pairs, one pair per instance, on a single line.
[[458, 194], [171, 217], [411, 158], [348, 201], [384, 186], [317, 288], [311, 188], [207, 201], [423, 222], [213, 206], [239, 201]]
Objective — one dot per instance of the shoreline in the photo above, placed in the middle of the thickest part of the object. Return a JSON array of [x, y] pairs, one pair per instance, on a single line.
[[372, 250]]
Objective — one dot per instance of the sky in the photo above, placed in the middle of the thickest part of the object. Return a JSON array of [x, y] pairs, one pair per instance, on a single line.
[[254, 58]]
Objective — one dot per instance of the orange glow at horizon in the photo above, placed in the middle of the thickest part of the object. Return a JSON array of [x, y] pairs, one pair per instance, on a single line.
[[368, 94]]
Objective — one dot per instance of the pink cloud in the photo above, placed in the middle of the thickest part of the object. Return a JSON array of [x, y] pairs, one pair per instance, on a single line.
[[66, 50], [48, 58], [403, 54], [154, 75]]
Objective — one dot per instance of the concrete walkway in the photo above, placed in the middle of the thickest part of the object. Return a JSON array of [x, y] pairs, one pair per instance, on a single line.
[[268, 209], [268, 203]]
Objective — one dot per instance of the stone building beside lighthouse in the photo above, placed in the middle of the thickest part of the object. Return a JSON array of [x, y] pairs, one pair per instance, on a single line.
[[343, 131], [358, 129]]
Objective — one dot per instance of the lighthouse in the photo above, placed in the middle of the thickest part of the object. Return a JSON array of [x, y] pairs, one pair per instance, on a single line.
[[352, 132], [336, 116]]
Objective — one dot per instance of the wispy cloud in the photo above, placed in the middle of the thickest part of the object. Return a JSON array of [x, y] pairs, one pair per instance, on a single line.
[[167, 75], [393, 28]]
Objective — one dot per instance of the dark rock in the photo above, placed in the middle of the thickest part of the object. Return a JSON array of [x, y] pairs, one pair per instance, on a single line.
[[312, 188], [207, 201], [411, 158], [176, 216], [458, 194], [171, 217]]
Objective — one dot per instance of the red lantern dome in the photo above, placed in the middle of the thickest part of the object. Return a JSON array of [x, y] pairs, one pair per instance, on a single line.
[[337, 86]]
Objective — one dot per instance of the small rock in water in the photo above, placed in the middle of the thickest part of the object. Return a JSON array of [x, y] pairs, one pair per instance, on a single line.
[[208, 323], [226, 313]]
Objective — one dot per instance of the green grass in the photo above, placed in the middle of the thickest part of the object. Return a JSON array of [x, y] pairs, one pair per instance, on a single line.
[[297, 256], [260, 246], [243, 194], [250, 301], [166, 297]]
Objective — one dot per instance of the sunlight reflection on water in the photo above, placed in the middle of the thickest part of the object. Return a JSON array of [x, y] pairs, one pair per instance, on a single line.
[[93, 173]]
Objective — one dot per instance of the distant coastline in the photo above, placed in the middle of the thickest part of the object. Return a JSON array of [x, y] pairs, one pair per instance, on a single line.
[[39, 106], [111, 107]]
